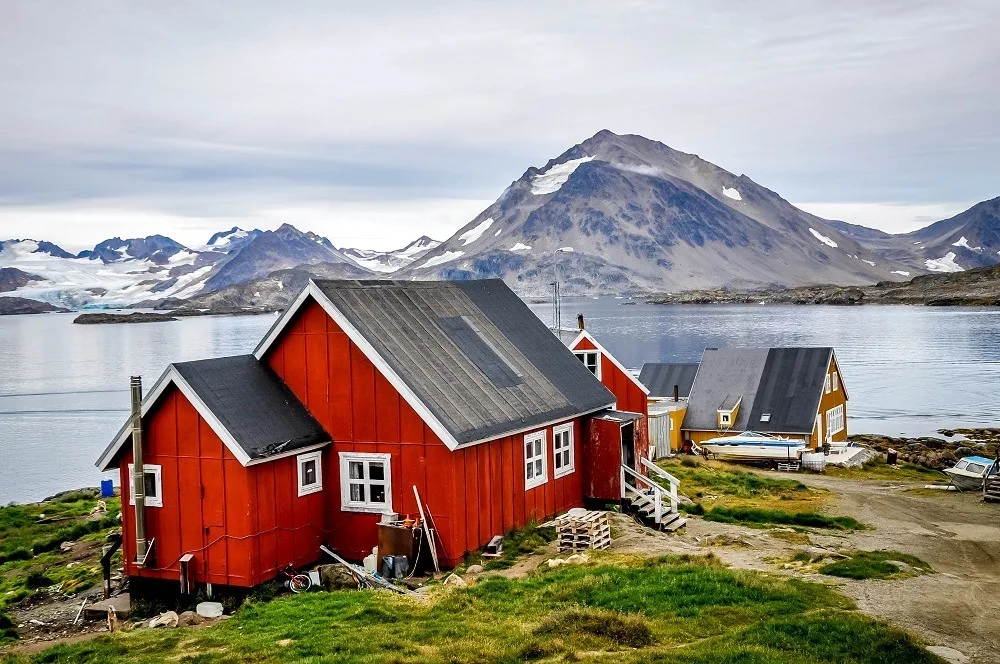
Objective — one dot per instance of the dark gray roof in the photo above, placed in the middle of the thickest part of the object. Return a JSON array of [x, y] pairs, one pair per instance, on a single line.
[[510, 373], [790, 389], [566, 335], [253, 404], [785, 383], [724, 375], [660, 378]]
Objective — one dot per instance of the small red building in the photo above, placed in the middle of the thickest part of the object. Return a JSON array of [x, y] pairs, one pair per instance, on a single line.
[[616, 438], [361, 391]]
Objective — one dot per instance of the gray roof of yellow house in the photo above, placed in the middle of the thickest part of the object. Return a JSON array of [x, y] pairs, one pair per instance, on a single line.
[[661, 377], [786, 384]]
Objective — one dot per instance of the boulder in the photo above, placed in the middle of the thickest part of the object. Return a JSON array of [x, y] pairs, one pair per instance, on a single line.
[[337, 577], [209, 610], [475, 570], [168, 619], [455, 580], [555, 562], [189, 618], [962, 452], [948, 455], [577, 559]]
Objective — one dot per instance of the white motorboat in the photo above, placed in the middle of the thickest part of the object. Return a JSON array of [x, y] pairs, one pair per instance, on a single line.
[[968, 473], [753, 446]]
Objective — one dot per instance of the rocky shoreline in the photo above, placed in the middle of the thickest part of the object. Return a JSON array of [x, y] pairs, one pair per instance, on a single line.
[[937, 453], [979, 287]]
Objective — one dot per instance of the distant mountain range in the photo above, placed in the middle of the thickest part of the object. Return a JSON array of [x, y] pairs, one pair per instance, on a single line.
[[613, 214]]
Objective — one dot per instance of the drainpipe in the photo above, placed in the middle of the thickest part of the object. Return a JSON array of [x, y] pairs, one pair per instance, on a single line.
[[138, 472], [579, 321]]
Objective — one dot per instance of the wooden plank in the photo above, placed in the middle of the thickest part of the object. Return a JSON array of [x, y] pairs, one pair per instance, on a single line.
[[363, 395]]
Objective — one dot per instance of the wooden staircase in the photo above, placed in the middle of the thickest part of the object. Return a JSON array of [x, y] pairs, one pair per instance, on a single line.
[[653, 505], [991, 485]]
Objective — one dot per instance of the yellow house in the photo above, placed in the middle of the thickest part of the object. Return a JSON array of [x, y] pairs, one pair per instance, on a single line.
[[669, 385], [793, 392]]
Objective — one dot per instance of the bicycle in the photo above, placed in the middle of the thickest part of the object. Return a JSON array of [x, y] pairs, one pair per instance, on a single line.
[[297, 583]]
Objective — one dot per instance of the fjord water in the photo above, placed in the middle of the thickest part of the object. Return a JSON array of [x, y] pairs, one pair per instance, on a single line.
[[908, 370]]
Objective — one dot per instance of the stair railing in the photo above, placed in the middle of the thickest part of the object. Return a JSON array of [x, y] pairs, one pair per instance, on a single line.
[[656, 488], [664, 475]]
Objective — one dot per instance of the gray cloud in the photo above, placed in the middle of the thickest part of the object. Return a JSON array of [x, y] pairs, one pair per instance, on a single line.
[[212, 109]]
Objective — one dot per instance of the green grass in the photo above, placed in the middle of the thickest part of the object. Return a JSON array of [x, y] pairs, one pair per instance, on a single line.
[[753, 516], [699, 478], [615, 609], [30, 559], [875, 565], [516, 543]]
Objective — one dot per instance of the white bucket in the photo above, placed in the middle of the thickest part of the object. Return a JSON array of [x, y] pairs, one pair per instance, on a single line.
[[813, 461]]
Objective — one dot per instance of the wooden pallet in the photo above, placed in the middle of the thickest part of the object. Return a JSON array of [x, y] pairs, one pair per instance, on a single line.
[[791, 467], [590, 530], [991, 490]]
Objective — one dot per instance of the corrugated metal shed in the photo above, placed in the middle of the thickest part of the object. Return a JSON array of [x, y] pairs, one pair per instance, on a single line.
[[660, 378], [253, 404], [410, 324]]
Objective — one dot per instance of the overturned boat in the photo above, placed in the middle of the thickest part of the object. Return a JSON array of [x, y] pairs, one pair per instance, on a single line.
[[968, 474], [754, 446]]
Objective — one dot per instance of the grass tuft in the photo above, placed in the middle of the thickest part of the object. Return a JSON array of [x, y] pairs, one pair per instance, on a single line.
[[876, 565], [747, 515], [623, 630]]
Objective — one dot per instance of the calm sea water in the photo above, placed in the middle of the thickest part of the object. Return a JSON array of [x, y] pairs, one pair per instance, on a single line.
[[908, 370]]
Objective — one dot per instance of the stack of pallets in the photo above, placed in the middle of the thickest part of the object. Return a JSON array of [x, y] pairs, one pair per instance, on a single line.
[[582, 531]]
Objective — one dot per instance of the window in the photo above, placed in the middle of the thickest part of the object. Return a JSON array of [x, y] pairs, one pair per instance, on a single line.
[[827, 388], [765, 417], [365, 482], [592, 360], [835, 381], [835, 420], [562, 450], [154, 485], [725, 418], [310, 473], [535, 466]]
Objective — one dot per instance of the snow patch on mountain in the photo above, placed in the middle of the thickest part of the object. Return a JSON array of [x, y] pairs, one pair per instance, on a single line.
[[520, 247], [962, 242], [566, 249], [446, 257], [944, 264], [390, 261], [733, 193], [822, 238], [872, 263], [551, 180], [902, 272], [473, 234]]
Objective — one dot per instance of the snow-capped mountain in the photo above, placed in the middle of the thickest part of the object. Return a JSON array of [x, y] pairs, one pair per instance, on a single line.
[[390, 261], [123, 272], [621, 213], [968, 240]]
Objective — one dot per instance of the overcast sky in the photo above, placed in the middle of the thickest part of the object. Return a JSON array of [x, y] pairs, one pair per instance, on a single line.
[[375, 122]]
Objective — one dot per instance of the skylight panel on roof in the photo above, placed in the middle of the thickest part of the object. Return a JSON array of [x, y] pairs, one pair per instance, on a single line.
[[480, 351]]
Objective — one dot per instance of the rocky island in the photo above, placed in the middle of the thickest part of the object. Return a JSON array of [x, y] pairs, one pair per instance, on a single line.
[[134, 317], [11, 306]]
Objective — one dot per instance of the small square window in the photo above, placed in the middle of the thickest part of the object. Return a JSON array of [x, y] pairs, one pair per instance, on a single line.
[[366, 482], [591, 360], [766, 417], [310, 473], [153, 484]]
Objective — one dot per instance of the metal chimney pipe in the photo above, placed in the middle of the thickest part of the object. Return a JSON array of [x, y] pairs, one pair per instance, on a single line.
[[579, 321], [677, 392], [138, 471]]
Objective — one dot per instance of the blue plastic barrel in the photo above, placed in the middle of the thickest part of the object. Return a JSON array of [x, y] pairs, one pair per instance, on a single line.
[[107, 488]]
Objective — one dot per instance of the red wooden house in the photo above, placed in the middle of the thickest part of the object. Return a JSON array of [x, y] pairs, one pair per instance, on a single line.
[[361, 391]]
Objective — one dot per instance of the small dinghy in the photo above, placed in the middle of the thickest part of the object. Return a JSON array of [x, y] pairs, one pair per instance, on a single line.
[[968, 473], [753, 446]]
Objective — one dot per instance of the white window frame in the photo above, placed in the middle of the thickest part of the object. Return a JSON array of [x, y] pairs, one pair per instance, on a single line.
[[300, 461], [157, 473], [835, 381], [597, 360], [725, 418], [827, 385], [835, 420], [570, 465], [537, 478], [348, 505]]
